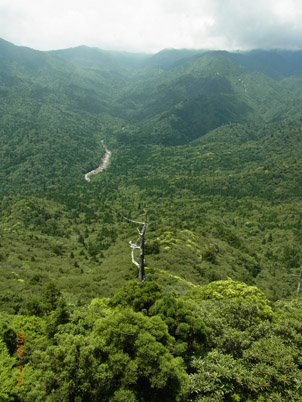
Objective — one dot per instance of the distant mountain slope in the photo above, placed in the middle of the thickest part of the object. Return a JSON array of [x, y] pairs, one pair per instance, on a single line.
[[57, 106], [168, 59], [49, 119], [100, 60], [185, 102], [277, 64]]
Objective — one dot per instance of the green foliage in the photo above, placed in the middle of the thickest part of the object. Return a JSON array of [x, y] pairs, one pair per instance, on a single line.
[[32, 326], [140, 296], [233, 353], [267, 371], [289, 318], [51, 297], [152, 247], [7, 373], [274, 369], [57, 317], [183, 324], [145, 360], [232, 290], [216, 378], [8, 336], [127, 355]]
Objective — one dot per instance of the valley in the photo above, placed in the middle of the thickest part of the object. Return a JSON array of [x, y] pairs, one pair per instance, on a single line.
[[210, 143]]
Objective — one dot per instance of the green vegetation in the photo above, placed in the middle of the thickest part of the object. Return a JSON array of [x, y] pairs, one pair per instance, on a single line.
[[210, 143], [230, 349]]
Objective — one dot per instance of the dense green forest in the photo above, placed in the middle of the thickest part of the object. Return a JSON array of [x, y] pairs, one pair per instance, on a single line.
[[210, 144]]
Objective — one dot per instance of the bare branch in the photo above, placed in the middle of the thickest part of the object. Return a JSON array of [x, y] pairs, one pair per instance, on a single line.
[[139, 223], [134, 246], [130, 220]]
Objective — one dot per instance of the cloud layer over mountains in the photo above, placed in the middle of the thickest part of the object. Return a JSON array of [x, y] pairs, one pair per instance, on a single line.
[[151, 25]]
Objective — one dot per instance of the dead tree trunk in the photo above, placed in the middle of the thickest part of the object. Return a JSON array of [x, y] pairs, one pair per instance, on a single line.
[[299, 281], [139, 245]]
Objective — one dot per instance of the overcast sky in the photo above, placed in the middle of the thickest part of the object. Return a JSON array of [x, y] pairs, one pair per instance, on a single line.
[[152, 25]]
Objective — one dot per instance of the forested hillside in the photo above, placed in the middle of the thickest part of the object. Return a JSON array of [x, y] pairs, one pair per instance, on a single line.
[[210, 144]]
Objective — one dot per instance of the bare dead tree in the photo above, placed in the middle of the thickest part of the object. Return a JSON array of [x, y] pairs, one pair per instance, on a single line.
[[139, 245], [299, 281]]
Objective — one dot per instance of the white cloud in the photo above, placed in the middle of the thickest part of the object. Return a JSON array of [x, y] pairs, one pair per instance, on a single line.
[[150, 25]]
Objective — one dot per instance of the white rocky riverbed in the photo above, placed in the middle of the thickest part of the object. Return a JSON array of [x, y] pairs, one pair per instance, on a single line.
[[103, 165]]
